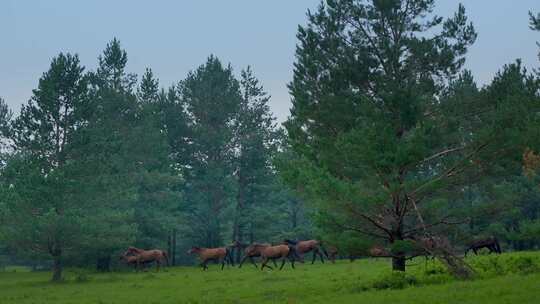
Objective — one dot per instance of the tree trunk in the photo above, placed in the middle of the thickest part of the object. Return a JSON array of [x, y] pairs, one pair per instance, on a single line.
[[251, 234], [240, 204], [398, 263], [235, 251], [169, 245], [57, 268], [173, 254]]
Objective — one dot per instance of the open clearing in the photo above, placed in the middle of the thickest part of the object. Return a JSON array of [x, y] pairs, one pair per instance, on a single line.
[[343, 282]]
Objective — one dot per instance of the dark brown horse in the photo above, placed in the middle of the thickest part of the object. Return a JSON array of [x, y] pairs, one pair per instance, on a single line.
[[332, 254], [491, 243], [147, 256], [303, 247], [251, 251], [277, 252], [221, 254]]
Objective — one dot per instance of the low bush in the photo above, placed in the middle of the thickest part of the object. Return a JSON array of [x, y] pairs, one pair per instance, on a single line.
[[394, 280]]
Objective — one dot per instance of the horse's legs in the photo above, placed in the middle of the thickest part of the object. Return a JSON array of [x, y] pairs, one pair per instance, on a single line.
[[263, 263], [223, 262], [203, 264], [158, 264], [282, 263], [242, 261], [274, 261], [321, 256], [314, 257], [253, 261], [291, 259]]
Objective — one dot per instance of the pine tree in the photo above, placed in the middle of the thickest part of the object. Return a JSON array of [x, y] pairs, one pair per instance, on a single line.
[[44, 216], [125, 158], [5, 119], [535, 25], [212, 98], [256, 140], [149, 88], [377, 144], [111, 71]]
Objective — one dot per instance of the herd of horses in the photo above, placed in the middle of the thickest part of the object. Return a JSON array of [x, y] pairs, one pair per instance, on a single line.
[[288, 250]]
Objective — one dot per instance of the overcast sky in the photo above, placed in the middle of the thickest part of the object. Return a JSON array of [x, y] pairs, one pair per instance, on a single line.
[[173, 37]]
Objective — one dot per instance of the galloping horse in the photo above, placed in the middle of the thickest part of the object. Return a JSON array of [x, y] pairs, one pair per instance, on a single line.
[[282, 252], [302, 247], [221, 254], [131, 260], [491, 243], [147, 256], [251, 251]]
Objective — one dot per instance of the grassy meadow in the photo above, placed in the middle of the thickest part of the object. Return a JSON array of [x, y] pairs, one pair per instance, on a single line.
[[509, 278]]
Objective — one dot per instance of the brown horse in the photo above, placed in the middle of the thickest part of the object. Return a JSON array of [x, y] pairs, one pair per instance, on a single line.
[[303, 247], [131, 260], [282, 252], [491, 243], [221, 254], [251, 251], [147, 256]]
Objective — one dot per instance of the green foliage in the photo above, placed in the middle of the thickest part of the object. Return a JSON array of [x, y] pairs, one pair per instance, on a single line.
[[111, 72], [386, 130], [395, 280], [494, 265], [210, 182]]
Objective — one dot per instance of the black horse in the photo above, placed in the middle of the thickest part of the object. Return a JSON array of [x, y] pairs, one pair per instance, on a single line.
[[491, 243]]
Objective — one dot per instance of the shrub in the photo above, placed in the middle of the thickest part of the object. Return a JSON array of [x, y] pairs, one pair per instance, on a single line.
[[395, 280], [435, 269], [523, 265]]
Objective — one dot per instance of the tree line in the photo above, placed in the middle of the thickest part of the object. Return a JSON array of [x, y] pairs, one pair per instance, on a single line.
[[98, 160], [389, 141]]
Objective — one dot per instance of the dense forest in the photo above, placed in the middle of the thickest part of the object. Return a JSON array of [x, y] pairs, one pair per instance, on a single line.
[[388, 139]]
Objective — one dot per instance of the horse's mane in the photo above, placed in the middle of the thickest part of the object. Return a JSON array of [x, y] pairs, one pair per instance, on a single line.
[[135, 249], [290, 241]]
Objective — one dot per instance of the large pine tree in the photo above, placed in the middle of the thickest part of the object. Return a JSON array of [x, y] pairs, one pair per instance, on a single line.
[[377, 141], [212, 98], [44, 214]]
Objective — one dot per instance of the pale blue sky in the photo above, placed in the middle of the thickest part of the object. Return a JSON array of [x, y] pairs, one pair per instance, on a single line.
[[173, 37]]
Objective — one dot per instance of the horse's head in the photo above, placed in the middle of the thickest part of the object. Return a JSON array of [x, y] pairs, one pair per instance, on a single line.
[[236, 244], [193, 250]]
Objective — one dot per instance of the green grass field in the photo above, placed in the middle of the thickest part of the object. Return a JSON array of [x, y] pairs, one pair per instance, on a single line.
[[510, 278]]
